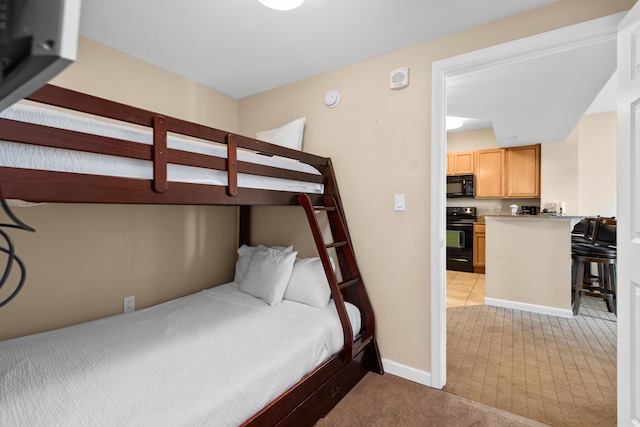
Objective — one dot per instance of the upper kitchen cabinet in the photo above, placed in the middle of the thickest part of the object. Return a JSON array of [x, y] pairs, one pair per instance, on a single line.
[[490, 173], [508, 172], [523, 171], [461, 163]]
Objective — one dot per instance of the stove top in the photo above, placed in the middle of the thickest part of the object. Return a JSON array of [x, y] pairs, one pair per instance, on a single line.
[[468, 214]]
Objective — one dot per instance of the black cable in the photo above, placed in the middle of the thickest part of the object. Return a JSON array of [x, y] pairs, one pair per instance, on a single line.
[[23, 275], [18, 224], [11, 256]]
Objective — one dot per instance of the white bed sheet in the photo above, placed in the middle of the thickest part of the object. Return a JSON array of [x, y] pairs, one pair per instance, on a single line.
[[181, 363], [29, 156]]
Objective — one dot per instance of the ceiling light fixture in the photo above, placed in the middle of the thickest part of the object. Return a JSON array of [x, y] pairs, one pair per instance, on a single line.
[[453, 122], [281, 4]]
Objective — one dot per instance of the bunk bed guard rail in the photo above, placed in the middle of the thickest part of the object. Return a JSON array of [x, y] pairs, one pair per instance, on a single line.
[[158, 153]]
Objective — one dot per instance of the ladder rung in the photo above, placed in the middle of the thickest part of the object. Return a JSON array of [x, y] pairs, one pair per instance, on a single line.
[[349, 283], [324, 208], [336, 245]]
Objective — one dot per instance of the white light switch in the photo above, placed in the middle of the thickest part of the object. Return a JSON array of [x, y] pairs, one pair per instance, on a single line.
[[399, 205]]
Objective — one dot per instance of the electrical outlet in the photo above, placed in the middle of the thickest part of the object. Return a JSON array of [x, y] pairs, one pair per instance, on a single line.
[[129, 304], [498, 208]]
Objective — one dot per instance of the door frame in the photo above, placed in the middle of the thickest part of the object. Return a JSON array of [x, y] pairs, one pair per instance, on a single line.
[[571, 37]]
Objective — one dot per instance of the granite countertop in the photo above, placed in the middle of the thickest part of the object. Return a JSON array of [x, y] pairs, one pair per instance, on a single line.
[[531, 217]]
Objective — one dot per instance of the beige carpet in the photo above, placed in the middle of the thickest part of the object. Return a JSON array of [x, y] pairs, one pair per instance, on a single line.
[[556, 370], [387, 400]]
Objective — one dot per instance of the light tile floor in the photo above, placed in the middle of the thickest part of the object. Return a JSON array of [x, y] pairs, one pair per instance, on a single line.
[[465, 288]]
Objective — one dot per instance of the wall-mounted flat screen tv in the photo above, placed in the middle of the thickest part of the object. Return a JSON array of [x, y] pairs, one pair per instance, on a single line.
[[38, 39]]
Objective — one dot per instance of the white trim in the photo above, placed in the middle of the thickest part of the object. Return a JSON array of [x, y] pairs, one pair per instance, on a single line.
[[534, 308], [584, 34], [438, 253], [406, 372]]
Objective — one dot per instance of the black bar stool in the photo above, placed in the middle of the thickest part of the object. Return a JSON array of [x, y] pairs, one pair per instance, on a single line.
[[601, 250]]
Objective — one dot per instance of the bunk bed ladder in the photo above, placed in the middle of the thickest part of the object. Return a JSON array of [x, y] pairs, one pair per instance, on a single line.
[[351, 288]]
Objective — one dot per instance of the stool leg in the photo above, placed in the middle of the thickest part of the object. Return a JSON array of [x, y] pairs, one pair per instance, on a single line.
[[612, 267], [606, 285], [577, 286]]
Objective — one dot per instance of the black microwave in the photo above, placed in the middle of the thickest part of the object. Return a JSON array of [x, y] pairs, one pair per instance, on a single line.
[[461, 186]]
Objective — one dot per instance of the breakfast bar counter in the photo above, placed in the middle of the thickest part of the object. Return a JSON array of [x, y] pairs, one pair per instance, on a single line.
[[529, 262]]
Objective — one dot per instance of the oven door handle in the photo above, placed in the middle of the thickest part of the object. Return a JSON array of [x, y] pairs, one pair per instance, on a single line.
[[460, 225]]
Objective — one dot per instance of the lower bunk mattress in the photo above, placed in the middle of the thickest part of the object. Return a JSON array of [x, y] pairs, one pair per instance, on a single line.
[[213, 358]]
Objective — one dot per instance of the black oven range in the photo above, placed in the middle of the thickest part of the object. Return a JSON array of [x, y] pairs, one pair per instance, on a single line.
[[459, 238]]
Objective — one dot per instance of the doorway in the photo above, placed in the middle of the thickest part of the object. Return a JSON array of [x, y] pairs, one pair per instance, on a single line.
[[531, 47]]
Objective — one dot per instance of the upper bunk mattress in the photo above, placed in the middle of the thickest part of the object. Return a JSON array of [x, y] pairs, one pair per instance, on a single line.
[[213, 358], [28, 156]]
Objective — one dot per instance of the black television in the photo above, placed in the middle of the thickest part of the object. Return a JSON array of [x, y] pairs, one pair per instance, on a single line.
[[38, 39]]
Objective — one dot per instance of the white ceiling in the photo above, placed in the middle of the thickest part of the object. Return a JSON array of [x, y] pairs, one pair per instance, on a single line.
[[240, 48], [537, 100]]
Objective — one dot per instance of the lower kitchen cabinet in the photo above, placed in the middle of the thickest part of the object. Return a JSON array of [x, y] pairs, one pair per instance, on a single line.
[[479, 248]]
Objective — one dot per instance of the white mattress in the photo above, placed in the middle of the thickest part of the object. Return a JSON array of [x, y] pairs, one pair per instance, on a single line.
[[28, 156], [213, 358]]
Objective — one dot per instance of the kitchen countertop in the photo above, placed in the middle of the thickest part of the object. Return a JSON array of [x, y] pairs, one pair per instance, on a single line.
[[481, 218]]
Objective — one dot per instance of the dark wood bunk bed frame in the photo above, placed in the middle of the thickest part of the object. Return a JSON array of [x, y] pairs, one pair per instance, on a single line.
[[320, 390]]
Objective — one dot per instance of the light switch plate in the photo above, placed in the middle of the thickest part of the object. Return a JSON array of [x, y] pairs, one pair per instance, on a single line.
[[399, 202]]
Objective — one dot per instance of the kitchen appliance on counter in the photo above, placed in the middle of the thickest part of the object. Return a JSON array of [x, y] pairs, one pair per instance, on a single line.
[[529, 210], [460, 238], [461, 186]]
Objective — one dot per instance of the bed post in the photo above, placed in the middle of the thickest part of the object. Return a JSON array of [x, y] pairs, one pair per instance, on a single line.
[[244, 233]]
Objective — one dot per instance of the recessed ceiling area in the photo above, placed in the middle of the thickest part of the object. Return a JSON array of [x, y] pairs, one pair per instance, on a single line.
[[536, 100]]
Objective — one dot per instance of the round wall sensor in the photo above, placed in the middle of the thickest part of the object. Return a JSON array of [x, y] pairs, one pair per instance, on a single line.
[[332, 98]]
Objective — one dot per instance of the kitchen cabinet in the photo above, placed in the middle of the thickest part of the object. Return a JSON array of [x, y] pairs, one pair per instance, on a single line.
[[503, 173], [461, 163], [490, 173], [479, 254], [523, 171]]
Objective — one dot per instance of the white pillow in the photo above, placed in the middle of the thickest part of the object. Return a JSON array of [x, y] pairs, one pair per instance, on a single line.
[[289, 135], [244, 256], [268, 274], [308, 283]]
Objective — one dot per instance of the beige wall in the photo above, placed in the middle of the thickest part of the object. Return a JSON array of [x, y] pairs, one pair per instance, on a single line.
[[559, 173], [471, 140], [582, 170], [84, 259], [597, 188], [108, 73], [379, 141]]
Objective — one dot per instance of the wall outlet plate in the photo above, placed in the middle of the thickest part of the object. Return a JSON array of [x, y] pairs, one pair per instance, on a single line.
[[129, 304]]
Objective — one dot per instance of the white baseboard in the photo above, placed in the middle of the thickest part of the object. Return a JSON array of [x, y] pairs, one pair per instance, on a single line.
[[541, 309], [406, 372]]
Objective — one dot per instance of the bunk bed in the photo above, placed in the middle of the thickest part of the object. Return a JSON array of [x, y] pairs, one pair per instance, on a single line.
[[170, 164]]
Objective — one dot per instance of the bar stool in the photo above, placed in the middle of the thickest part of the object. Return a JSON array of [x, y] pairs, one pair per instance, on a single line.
[[602, 252], [582, 232]]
